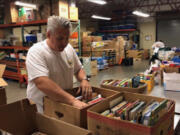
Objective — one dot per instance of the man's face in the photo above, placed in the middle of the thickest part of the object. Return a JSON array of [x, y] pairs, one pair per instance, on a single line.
[[59, 39]]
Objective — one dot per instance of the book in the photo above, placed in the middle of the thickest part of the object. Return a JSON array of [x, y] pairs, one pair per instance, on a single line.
[[134, 104], [117, 107], [115, 101], [105, 113], [132, 114]]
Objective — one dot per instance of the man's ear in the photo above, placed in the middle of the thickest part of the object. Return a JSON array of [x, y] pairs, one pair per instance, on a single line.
[[48, 34]]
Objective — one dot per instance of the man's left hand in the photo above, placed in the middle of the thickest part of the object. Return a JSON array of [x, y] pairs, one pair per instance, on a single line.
[[85, 89]]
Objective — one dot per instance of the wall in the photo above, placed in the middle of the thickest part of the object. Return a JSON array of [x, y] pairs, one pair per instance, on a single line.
[[147, 29], [167, 31]]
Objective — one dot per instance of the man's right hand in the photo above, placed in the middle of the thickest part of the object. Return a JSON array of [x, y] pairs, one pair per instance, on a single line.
[[78, 104]]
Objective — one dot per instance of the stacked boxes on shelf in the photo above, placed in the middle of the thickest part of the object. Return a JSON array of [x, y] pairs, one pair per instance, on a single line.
[[138, 54], [101, 62]]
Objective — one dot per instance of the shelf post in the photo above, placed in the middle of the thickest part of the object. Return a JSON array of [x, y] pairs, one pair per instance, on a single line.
[[79, 37], [22, 35]]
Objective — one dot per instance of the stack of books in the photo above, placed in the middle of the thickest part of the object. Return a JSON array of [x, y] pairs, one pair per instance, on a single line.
[[93, 100]]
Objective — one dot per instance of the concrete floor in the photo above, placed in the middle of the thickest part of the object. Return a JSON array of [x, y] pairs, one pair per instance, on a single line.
[[14, 92]]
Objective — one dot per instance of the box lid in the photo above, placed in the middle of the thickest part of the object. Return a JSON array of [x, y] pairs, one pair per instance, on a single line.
[[2, 81]]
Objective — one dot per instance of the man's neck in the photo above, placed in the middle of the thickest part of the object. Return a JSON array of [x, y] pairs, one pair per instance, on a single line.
[[49, 44]]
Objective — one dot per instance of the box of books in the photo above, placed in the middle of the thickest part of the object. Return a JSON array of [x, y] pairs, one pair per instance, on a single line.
[[132, 114], [128, 85], [71, 114], [21, 118]]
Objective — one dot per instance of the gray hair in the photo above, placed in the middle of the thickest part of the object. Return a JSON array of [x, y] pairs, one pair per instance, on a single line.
[[55, 22]]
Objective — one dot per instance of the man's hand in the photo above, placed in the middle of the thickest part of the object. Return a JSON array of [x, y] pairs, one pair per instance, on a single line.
[[78, 104], [85, 89]]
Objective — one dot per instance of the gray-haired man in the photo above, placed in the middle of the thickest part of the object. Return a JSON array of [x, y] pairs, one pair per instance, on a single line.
[[51, 65]]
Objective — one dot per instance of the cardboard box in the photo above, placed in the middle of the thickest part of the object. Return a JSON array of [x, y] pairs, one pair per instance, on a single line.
[[97, 38], [167, 70], [3, 83], [140, 89], [21, 118], [171, 81], [73, 13], [86, 34], [11, 13], [63, 9], [146, 54], [94, 69], [3, 98], [74, 42], [87, 41], [134, 53], [69, 113], [2, 34], [60, 8], [101, 125]]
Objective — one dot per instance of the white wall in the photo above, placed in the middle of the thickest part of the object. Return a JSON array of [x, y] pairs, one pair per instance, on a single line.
[[147, 29]]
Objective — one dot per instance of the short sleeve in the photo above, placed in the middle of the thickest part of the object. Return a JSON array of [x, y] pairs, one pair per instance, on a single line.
[[36, 64]]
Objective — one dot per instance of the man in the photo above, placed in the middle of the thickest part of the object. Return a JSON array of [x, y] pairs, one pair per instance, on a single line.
[[51, 65], [156, 46]]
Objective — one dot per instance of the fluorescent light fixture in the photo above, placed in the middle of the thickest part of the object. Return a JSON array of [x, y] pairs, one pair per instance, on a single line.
[[19, 3], [100, 2], [138, 13], [100, 17]]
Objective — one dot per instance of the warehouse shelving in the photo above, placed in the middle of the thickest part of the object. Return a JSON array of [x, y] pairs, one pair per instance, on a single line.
[[17, 64], [123, 30]]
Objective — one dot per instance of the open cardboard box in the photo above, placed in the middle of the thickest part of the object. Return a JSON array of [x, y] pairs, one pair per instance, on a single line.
[[171, 78], [69, 113], [21, 118], [102, 125], [141, 89], [3, 83]]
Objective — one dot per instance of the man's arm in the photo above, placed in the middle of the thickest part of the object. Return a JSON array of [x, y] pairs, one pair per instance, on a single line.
[[56, 93], [84, 84]]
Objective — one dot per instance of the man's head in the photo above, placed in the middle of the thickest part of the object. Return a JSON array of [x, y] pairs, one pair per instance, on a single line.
[[58, 32]]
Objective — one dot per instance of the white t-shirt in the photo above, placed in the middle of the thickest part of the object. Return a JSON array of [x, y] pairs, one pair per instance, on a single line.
[[58, 66]]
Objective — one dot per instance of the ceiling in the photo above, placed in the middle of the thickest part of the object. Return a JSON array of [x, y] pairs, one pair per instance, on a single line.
[[118, 9]]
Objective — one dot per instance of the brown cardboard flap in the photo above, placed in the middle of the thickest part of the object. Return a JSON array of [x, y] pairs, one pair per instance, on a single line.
[[171, 69], [3, 98], [2, 68], [69, 113], [53, 126], [16, 118], [3, 83]]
